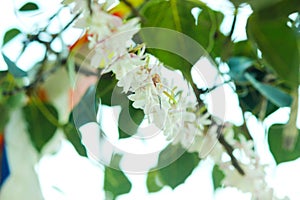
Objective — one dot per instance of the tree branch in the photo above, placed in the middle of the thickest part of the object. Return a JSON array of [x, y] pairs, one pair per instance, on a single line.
[[229, 149]]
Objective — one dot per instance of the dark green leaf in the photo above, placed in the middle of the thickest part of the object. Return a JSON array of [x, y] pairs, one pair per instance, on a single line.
[[154, 184], [10, 34], [271, 9], [276, 139], [115, 181], [106, 85], [40, 129], [217, 177], [112, 95], [13, 68], [129, 120], [244, 49], [30, 6], [253, 101], [238, 67], [178, 171], [73, 136], [178, 37], [278, 7], [278, 44], [4, 117], [273, 94]]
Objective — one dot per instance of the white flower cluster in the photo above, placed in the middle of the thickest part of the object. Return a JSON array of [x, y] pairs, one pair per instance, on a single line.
[[167, 107], [253, 180]]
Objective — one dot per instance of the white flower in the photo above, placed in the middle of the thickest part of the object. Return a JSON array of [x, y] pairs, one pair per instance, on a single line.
[[135, 79], [124, 65], [145, 98], [210, 145], [203, 120], [252, 181]]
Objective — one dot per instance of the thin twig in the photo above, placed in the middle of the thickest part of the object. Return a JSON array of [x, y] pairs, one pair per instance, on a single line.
[[133, 9], [67, 26], [229, 149]]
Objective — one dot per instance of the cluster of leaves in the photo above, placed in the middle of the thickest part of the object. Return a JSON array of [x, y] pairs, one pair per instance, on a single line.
[[264, 69]]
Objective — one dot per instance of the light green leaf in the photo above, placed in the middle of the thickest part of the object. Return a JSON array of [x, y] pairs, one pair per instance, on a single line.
[[13, 68], [273, 94], [276, 139], [40, 129], [9, 35], [30, 6], [115, 181], [154, 184], [217, 177]]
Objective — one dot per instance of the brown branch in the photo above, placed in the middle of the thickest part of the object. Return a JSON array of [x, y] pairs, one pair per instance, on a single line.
[[233, 23], [229, 149]]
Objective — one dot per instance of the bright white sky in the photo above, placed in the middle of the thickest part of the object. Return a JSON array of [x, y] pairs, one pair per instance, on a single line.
[[67, 176]]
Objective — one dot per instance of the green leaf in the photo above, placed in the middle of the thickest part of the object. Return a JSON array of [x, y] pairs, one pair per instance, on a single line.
[[244, 49], [40, 129], [276, 139], [86, 110], [275, 95], [129, 120], [10, 34], [106, 85], [178, 171], [238, 67], [175, 173], [30, 6], [4, 117], [115, 181], [217, 177], [154, 184], [278, 44], [254, 102], [73, 136], [112, 95], [13, 68], [178, 36], [278, 6]]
